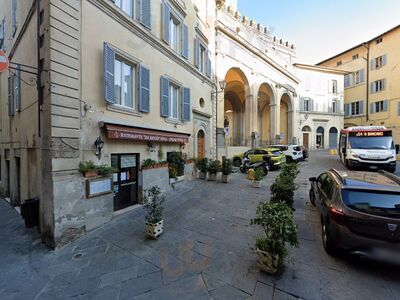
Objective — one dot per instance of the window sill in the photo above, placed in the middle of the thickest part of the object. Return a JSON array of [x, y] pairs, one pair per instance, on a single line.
[[173, 121], [123, 110]]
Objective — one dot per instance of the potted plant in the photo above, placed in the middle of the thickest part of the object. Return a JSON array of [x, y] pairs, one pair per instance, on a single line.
[[202, 166], [226, 169], [88, 168], [153, 203], [105, 170], [258, 177], [277, 222], [282, 190], [213, 168]]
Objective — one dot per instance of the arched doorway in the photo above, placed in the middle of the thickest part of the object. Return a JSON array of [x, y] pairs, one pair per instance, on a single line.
[[201, 144], [320, 137], [236, 90], [265, 98], [306, 136], [333, 138], [285, 119]]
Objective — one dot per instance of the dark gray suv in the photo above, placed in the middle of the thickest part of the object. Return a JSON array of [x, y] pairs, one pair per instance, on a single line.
[[360, 212]]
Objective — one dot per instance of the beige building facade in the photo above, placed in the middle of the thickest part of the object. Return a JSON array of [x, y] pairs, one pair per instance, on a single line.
[[134, 75], [372, 92]]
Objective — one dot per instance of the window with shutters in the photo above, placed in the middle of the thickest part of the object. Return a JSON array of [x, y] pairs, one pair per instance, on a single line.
[[127, 6], [339, 63], [203, 59], [379, 106], [379, 62], [174, 101], [357, 77], [355, 108], [335, 106], [378, 41], [125, 83], [356, 56], [378, 86], [307, 104]]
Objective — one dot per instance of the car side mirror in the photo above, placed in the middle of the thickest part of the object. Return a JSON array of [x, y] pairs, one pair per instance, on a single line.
[[312, 179], [344, 150]]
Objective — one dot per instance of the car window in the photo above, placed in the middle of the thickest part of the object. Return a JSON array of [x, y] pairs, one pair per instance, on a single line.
[[276, 153], [249, 152], [296, 148], [284, 148], [261, 152]]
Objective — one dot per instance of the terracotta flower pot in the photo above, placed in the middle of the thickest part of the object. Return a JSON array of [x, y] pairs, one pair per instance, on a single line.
[[90, 174], [267, 262], [154, 230]]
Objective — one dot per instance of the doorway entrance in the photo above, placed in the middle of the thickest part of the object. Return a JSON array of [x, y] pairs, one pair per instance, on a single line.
[[125, 181], [305, 139], [200, 144], [320, 137], [333, 138]]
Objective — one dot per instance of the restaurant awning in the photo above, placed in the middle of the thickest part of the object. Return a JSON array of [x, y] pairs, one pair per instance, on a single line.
[[120, 132]]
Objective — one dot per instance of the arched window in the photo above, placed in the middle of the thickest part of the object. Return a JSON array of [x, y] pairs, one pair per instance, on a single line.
[[306, 129]]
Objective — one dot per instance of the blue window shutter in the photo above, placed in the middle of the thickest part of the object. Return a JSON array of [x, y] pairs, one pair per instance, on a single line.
[[362, 76], [145, 13], [384, 59], [185, 41], [372, 66], [383, 84], [185, 104], [385, 105], [17, 88], [144, 89], [361, 107], [197, 52], [372, 87], [109, 58], [346, 81], [164, 101], [372, 108], [11, 96], [14, 17], [166, 12], [346, 109], [302, 104], [208, 70]]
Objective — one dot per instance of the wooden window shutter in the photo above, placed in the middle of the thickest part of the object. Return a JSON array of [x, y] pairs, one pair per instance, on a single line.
[[186, 104], [196, 52], [208, 66], [109, 58], [385, 105], [166, 12], [145, 13], [384, 59], [362, 77], [164, 97], [144, 89], [185, 41], [11, 96], [17, 88], [361, 106]]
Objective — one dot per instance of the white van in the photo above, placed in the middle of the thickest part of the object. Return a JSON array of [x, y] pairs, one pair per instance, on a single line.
[[369, 147]]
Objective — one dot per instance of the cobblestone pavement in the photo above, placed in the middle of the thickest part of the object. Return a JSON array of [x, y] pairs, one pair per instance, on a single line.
[[205, 253]]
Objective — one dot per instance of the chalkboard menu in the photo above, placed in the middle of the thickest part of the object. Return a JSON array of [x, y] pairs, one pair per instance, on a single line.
[[98, 186]]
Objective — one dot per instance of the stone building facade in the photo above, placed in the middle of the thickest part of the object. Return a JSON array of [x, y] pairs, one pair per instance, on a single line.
[[259, 103], [132, 74], [321, 99]]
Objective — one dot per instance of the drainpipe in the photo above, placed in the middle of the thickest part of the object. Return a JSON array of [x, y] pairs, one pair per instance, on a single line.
[[39, 67], [366, 45]]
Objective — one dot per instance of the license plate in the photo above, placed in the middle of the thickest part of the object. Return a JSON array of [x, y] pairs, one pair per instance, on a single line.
[[373, 167]]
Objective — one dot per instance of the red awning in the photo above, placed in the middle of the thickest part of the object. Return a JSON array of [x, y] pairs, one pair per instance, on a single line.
[[119, 132]]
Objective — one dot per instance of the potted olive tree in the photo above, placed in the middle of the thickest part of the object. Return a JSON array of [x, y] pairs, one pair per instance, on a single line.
[[226, 169], [202, 166], [153, 203], [258, 177], [213, 168], [276, 219]]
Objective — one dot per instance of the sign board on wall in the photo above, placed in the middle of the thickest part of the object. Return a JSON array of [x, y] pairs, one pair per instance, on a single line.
[[98, 186]]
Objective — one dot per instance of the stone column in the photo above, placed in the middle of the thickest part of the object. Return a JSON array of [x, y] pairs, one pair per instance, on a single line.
[[255, 117], [274, 121], [248, 120], [218, 119]]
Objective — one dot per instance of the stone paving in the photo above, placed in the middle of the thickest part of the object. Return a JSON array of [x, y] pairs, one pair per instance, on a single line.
[[205, 253]]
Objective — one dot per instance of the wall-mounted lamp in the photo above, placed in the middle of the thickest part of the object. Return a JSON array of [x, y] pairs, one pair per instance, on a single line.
[[151, 147], [99, 143], [222, 86]]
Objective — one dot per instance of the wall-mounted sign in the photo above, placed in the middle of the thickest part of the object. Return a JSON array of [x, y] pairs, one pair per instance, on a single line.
[[117, 132], [98, 186]]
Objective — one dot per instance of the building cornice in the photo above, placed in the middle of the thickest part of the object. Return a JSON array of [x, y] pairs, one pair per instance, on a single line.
[[321, 69], [198, 112], [147, 36], [258, 53]]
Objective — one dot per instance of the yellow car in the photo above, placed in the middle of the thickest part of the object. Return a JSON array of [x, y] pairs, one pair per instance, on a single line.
[[257, 154]]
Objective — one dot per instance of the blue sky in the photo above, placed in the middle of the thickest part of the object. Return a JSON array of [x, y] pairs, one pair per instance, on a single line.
[[321, 28]]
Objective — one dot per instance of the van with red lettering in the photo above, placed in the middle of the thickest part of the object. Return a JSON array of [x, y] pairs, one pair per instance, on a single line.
[[370, 147]]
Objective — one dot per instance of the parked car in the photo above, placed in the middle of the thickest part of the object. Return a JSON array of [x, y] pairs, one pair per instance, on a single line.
[[257, 154], [305, 152], [359, 211], [293, 153]]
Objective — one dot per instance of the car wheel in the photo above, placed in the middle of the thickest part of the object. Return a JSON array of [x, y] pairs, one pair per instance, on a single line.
[[312, 197], [242, 169], [327, 240], [237, 162]]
